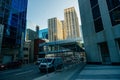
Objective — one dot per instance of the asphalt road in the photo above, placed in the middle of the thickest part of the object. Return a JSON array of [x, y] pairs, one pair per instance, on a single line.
[[26, 72]]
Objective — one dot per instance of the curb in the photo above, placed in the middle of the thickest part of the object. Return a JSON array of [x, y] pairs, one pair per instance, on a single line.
[[74, 76]]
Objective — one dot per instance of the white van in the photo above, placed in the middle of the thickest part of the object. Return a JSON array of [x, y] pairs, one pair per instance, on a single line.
[[51, 64], [39, 60]]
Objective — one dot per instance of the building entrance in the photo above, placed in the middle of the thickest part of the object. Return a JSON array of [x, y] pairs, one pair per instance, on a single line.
[[118, 42], [118, 45], [105, 53]]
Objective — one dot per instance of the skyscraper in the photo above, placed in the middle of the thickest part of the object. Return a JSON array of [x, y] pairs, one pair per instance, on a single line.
[[71, 23], [64, 30], [54, 29], [13, 18], [101, 30]]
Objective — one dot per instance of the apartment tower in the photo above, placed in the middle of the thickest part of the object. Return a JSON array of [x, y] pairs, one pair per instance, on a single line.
[[55, 29], [64, 30], [71, 23]]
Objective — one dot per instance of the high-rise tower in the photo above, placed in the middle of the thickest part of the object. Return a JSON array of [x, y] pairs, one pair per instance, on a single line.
[[64, 30], [71, 23], [13, 19], [55, 29]]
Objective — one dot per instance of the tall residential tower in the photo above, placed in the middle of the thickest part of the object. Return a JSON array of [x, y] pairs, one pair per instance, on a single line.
[[55, 29], [71, 23], [64, 30]]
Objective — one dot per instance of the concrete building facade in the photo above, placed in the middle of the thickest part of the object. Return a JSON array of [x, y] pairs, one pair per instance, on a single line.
[[28, 51], [36, 49], [55, 29], [31, 35], [71, 23], [101, 30]]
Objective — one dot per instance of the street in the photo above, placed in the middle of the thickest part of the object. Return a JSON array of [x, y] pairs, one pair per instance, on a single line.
[[31, 72], [26, 72]]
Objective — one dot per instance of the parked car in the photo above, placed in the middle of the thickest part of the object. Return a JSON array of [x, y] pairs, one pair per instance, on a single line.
[[3, 67], [14, 64], [11, 65], [51, 64]]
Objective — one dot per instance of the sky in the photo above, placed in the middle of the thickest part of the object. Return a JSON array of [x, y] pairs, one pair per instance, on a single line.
[[39, 11]]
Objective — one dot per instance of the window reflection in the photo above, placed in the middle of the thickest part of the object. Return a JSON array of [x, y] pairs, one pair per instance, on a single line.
[[13, 16]]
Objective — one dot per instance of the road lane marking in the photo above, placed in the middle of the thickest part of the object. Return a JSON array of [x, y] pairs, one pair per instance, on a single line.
[[24, 72], [11, 71]]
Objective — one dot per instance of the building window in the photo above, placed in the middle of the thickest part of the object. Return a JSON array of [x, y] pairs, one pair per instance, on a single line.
[[25, 49], [1, 19], [115, 16], [112, 4], [96, 16], [26, 56], [118, 43], [114, 11], [96, 12], [93, 2], [98, 25]]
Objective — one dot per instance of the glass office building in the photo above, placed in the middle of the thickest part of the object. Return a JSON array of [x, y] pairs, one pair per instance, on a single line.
[[43, 33], [13, 18]]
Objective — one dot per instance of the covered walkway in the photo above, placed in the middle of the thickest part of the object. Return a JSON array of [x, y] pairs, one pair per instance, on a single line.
[[72, 45]]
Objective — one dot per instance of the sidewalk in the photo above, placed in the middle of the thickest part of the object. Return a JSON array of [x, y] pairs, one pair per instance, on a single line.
[[90, 72], [99, 72], [65, 74]]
